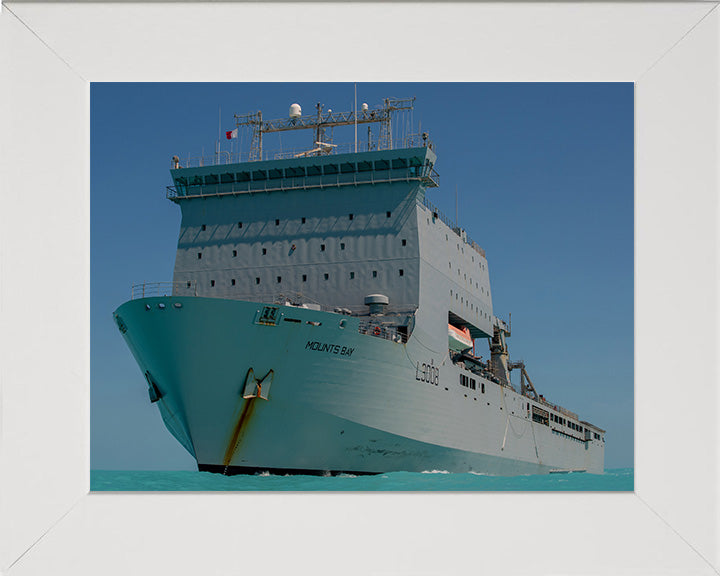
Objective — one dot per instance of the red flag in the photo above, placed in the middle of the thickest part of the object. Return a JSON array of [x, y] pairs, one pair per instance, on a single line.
[[232, 134]]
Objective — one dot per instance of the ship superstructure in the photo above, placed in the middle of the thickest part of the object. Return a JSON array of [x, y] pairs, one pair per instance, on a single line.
[[324, 317]]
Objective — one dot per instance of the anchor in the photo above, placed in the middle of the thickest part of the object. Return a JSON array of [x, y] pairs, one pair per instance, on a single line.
[[257, 387]]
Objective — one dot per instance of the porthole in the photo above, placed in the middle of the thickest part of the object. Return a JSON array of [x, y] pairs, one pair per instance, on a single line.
[[343, 323], [178, 305], [148, 307], [161, 306]]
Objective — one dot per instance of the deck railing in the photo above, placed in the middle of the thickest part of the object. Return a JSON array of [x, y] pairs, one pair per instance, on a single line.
[[427, 176], [437, 213], [390, 326], [223, 157]]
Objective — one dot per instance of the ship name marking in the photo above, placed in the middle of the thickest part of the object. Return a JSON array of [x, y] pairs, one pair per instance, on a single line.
[[329, 348]]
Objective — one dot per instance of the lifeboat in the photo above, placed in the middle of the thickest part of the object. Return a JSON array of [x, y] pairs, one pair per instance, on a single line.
[[459, 338]]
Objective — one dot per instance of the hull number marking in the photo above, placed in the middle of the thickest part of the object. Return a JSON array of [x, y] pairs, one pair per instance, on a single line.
[[428, 373]]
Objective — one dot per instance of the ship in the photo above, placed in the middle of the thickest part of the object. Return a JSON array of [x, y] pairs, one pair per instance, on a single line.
[[324, 317]]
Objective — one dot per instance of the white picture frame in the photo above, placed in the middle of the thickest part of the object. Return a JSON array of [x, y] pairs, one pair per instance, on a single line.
[[49, 523]]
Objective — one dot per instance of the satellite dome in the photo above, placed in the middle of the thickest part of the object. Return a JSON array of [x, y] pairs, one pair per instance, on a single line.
[[295, 111], [364, 107]]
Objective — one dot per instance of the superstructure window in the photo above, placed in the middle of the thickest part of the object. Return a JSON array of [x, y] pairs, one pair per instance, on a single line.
[[264, 251], [203, 227], [232, 282], [351, 216], [212, 282], [374, 273], [277, 222], [388, 213], [239, 224], [234, 253], [402, 272], [352, 275], [342, 245], [303, 220], [279, 279], [327, 276], [322, 247], [304, 277], [189, 284], [257, 280], [199, 255], [404, 242]]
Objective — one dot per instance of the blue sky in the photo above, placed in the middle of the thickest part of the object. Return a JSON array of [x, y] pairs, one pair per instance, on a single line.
[[544, 174]]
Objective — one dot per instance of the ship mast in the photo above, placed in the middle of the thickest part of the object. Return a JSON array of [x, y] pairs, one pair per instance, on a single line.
[[320, 121]]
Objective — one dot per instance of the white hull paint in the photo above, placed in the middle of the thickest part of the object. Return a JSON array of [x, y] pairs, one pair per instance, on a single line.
[[338, 400]]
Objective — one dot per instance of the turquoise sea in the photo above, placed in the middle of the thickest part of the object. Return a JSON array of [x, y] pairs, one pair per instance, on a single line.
[[617, 480]]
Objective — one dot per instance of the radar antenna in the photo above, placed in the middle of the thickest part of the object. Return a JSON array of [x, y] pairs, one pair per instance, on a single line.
[[320, 121]]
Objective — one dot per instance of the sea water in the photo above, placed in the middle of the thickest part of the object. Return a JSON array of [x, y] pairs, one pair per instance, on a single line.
[[617, 480]]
